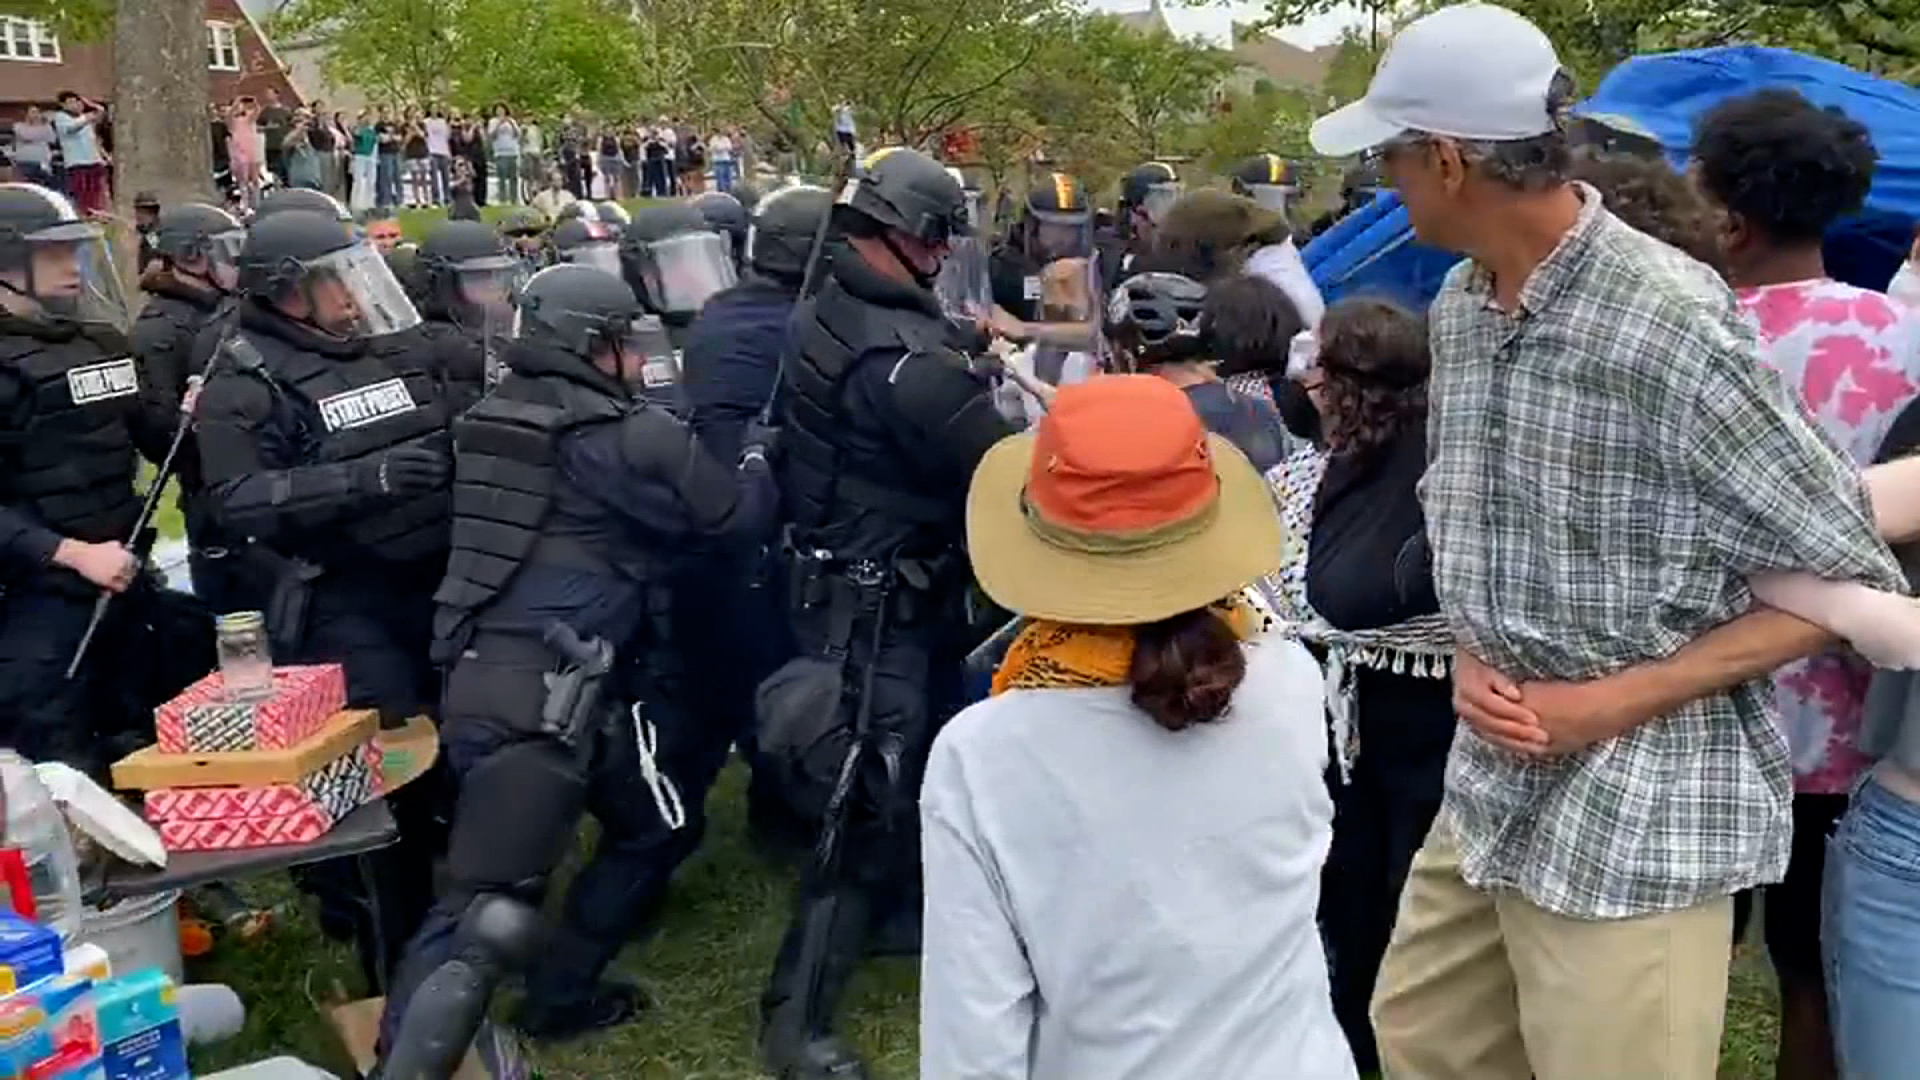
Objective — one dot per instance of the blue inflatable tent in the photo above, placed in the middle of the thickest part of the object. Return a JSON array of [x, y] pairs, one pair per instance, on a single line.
[[1373, 251]]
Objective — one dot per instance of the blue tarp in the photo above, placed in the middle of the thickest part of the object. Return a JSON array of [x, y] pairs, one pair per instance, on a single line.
[[1372, 250]]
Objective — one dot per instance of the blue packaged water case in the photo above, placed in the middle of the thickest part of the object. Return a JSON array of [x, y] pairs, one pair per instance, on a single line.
[[29, 952], [140, 1027]]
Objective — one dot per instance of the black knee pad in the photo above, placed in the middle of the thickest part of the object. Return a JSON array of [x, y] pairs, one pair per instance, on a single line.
[[516, 816]]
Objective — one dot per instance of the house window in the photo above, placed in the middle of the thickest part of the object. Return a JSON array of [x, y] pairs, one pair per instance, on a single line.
[[26, 39], [223, 47]]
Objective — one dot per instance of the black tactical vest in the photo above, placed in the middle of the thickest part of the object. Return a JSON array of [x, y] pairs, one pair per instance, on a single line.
[[362, 406], [76, 458], [505, 451], [838, 463]]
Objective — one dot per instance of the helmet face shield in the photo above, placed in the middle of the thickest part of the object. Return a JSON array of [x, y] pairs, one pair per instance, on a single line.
[[1060, 236], [963, 286], [599, 254], [352, 292], [1275, 197], [68, 272], [485, 286], [682, 271], [1159, 199]]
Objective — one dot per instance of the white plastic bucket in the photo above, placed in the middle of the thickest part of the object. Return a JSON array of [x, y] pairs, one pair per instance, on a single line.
[[138, 933]]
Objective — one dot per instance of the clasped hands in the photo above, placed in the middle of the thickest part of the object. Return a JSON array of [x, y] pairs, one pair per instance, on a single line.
[[1535, 719]]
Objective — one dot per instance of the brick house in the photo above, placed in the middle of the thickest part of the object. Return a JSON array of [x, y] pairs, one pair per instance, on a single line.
[[35, 65]]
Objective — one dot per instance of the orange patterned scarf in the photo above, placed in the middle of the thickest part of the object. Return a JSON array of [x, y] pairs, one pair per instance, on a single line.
[[1072, 656]]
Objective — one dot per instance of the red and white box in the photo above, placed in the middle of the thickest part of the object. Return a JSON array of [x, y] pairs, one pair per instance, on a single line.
[[200, 720], [219, 818]]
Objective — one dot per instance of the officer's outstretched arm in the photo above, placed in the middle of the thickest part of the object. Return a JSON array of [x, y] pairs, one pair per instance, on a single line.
[[943, 416], [248, 451], [718, 499]]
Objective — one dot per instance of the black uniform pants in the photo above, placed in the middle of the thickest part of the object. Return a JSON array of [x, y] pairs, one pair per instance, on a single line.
[[380, 635], [1380, 819], [917, 684], [514, 825], [730, 625]]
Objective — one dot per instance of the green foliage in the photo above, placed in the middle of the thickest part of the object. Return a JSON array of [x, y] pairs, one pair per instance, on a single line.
[[73, 20]]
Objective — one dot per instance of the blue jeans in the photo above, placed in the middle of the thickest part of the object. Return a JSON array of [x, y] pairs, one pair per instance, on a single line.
[[387, 181], [723, 175], [1872, 935]]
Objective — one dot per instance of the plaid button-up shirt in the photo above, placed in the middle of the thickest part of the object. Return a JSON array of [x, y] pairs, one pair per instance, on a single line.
[[1608, 463]]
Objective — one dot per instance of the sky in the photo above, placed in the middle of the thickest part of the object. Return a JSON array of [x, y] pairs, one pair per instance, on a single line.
[[1214, 20]]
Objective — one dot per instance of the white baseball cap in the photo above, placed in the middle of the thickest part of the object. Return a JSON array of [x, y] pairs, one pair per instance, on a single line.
[[1471, 71]]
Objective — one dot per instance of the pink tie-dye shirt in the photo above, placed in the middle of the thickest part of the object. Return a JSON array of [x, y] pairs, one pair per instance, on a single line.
[[1853, 356]]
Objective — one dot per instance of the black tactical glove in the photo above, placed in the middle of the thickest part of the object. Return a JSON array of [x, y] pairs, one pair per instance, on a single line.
[[413, 469]]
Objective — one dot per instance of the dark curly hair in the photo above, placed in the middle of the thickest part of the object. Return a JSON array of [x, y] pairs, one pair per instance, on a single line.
[[1649, 195], [1251, 322], [1374, 355], [1787, 167]]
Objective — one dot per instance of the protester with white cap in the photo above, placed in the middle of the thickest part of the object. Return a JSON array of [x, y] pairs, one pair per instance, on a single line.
[[1610, 461]]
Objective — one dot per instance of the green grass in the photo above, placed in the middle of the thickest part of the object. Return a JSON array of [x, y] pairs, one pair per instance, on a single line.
[[416, 223], [704, 970]]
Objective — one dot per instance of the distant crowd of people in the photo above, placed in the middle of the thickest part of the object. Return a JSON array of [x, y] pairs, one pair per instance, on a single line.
[[385, 157]]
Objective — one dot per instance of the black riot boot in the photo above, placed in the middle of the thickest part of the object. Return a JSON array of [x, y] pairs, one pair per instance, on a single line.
[[816, 959], [571, 992]]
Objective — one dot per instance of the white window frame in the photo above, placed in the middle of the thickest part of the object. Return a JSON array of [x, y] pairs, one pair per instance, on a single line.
[[42, 44], [223, 55]]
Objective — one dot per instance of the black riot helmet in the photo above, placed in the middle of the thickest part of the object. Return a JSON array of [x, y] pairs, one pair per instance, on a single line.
[[55, 267], [748, 195], [902, 191], [580, 209], [585, 242], [613, 215], [1267, 179], [674, 260], [467, 274], [317, 202], [783, 231], [906, 191], [1150, 188], [1154, 318], [728, 217], [314, 270], [1059, 220], [591, 313], [191, 232]]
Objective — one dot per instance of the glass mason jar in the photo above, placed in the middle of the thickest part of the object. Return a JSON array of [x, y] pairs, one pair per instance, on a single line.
[[246, 661]]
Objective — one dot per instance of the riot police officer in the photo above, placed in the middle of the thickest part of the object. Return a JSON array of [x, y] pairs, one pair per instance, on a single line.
[[729, 608], [1057, 223], [1267, 179], [71, 418], [466, 282], [729, 217], [334, 458], [883, 425], [613, 216], [585, 242], [190, 275], [674, 261], [577, 494], [1145, 194]]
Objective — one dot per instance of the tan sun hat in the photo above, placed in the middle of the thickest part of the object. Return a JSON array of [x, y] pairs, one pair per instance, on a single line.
[[1118, 509]]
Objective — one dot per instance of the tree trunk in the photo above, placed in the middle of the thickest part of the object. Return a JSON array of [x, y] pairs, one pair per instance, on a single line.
[[160, 100]]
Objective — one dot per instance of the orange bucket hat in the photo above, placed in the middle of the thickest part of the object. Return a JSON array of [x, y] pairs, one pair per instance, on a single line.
[[1118, 509]]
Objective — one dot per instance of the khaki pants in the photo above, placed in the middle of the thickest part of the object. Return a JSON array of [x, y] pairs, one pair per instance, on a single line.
[[1484, 986]]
